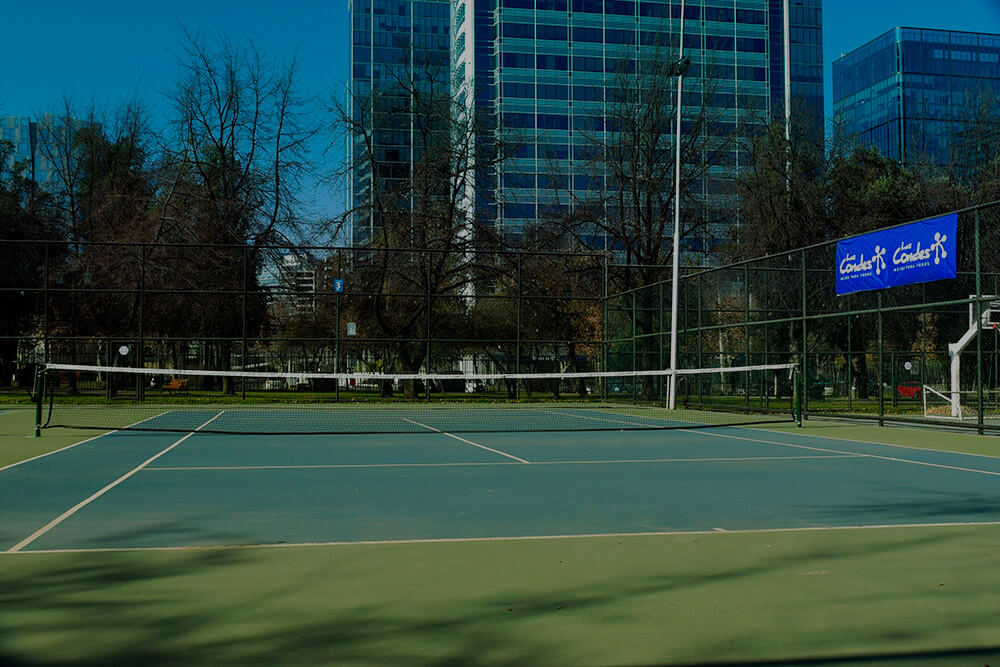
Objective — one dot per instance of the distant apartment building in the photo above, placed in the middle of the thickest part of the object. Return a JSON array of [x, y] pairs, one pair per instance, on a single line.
[[910, 92], [547, 70], [290, 282]]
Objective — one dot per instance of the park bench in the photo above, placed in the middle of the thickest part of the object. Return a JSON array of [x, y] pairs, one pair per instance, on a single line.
[[176, 384]]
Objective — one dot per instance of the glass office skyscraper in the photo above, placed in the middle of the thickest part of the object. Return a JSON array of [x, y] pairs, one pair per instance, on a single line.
[[27, 137], [909, 91], [394, 42], [546, 70]]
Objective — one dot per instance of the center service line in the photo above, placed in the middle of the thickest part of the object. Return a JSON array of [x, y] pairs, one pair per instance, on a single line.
[[83, 503]]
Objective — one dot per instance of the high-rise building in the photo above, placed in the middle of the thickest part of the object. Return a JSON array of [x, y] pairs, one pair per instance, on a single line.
[[28, 137], [546, 70], [395, 44], [910, 92]]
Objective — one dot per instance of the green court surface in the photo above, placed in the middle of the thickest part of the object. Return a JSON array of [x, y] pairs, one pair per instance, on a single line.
[[832, 544]]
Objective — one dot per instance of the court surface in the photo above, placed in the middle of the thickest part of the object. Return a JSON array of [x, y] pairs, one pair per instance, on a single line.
[[165, 490]]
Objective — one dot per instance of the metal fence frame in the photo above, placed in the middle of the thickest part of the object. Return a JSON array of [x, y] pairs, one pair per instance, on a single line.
[[804, 273]]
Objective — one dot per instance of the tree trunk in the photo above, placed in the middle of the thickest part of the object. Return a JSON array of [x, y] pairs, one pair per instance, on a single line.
[[8, 361], [861, 376]]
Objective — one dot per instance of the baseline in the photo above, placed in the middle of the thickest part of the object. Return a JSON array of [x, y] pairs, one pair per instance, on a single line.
[[83, 503], [516, 538]]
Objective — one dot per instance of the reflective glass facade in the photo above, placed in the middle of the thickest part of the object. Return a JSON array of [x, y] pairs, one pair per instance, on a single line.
[[393, 41], [544, 69], [26, 135], [908, 92]]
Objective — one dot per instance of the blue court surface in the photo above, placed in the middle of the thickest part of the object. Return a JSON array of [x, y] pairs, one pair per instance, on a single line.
[[155, 490]]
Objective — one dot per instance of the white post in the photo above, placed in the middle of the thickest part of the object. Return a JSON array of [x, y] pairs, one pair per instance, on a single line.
[[674, 283], [956, 383]]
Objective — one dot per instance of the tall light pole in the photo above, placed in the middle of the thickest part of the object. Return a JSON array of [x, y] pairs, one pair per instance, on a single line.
[[679, 69]]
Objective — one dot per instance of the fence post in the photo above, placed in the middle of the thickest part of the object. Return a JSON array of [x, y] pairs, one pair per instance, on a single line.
[[243, 323], [881, 368], [427, 320], [336, 341], [604, 324], [765, 384], [746, 332], [141, 356], [805, 344], [635, 330], [517, 346], [701, 335], [892, 377], [850, 363], [979, 336], [658, 327], [45, 309], [109, 360]]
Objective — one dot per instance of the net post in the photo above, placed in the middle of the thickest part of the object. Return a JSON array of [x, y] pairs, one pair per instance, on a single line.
[[797, 391], [39, 392]]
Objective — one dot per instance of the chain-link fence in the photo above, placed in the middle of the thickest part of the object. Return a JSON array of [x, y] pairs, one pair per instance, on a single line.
[[882, 355], [295, 309]]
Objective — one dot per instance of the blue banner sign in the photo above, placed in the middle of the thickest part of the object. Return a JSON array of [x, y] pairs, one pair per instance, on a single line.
[[338, 285], [916, 253]]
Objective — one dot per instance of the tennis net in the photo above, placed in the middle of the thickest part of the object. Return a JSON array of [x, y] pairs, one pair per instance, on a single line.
[[263, 402]]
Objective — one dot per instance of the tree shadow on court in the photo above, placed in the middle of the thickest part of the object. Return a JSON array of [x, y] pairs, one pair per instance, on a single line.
[[278, 606], [919, 505]]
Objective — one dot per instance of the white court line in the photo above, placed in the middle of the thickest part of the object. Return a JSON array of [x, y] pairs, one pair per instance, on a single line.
[[322, 466], [63, 449], [83, 503], [765, 427], [715, 433], [652, 427], [468, 442], [854, 454], [723, 533]]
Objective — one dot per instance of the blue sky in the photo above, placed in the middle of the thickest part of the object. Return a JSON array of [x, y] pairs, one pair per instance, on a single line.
[[111, 50]]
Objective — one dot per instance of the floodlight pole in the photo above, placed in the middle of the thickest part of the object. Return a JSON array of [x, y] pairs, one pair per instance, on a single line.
[[675, 278]]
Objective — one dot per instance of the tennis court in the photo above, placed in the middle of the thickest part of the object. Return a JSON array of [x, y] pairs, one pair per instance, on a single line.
[[136, 489]]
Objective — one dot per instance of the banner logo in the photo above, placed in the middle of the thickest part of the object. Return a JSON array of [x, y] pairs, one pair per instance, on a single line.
[[916, 253]]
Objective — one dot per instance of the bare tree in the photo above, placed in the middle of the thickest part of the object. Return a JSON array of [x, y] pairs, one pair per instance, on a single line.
[[629, 152], [235, 165], [975, 154], [240, 150], [423, 226]]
